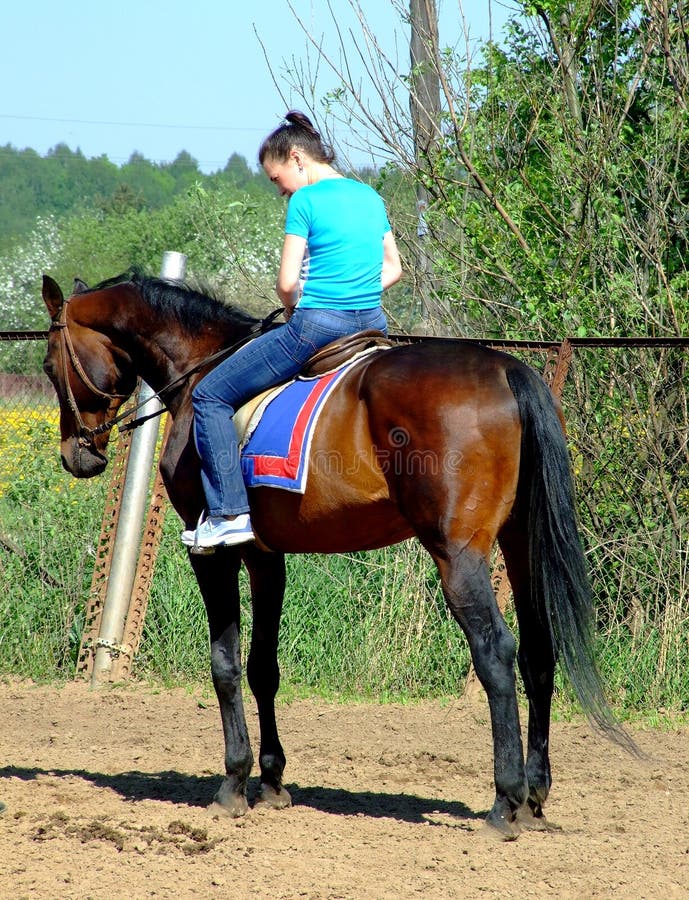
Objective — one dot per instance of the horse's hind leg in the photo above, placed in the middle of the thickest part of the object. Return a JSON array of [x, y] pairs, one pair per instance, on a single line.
[[217, 575], [470, 597], [267, 575], [536, 663]]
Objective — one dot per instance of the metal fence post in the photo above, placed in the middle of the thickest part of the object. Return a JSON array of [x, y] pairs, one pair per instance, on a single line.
[[129, 527]]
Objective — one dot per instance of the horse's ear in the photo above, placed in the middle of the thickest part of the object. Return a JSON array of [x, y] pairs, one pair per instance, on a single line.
[[52, 296], [79, 286]]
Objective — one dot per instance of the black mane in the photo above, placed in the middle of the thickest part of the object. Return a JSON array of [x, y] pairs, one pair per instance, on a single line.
[[190, 307]]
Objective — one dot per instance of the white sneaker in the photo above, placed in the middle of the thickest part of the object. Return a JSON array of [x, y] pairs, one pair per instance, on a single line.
[[218, 531]]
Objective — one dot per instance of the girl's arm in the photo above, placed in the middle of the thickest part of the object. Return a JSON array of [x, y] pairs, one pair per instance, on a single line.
[[287, 285], [392, 267]]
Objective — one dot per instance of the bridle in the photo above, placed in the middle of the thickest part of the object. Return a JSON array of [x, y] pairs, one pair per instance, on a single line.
[[67, 353]]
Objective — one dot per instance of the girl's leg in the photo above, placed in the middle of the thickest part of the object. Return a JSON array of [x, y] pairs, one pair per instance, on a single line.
[[270, 359]]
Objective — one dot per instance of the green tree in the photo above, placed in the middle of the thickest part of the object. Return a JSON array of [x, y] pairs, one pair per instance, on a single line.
[[557, 181], [64, 182], [184, 170], [237, 171]]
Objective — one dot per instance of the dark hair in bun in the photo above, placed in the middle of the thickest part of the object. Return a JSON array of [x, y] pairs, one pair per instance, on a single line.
[[296, 131]]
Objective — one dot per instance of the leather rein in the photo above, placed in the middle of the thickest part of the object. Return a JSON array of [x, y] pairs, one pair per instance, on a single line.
[[67, 353]]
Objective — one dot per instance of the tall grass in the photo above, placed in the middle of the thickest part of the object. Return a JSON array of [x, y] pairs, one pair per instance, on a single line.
[[367, 625], [48, 525]]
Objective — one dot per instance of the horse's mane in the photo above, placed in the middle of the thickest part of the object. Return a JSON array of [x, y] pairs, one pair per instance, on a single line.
[[192, 307]]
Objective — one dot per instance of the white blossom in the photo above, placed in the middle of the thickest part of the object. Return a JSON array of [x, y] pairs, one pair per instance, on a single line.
[[20, 276]]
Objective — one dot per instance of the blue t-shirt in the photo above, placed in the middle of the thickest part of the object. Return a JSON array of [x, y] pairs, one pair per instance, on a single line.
[[344, 222]]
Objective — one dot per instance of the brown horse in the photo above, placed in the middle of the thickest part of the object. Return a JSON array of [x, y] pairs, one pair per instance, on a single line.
[[458, 445]]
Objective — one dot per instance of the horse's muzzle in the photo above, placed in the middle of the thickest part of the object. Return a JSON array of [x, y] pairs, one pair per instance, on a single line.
[[82, 461]]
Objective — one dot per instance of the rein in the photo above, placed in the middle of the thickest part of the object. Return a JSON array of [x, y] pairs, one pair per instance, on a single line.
[[67, 351]]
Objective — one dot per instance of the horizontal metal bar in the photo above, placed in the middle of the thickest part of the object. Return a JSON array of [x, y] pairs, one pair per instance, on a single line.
[[24, 335], [503, 343], [506, 343]]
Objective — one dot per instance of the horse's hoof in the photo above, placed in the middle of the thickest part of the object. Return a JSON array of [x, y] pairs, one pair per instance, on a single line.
[[269, 798], [495, 834], [500, 828], [527, 819], [231, 808]]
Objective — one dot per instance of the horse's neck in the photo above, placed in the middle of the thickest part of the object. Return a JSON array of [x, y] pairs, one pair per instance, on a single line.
[[161, 350]]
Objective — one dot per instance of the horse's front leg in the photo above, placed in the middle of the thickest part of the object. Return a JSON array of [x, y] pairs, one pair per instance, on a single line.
[[267, 576], [217, 575]]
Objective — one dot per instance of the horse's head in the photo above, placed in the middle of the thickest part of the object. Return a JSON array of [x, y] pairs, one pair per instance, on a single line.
[[91, 376]]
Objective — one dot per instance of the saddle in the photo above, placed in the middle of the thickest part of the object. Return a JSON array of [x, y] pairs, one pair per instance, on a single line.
[[343, 350], [327, 359]]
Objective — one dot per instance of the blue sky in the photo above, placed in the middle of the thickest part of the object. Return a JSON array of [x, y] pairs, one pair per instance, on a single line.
[[161, 76]]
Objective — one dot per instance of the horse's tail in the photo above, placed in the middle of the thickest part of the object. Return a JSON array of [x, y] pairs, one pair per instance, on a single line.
[[560, 589]]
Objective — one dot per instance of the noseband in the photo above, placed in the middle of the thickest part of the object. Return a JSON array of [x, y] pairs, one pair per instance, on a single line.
[[68, 353]]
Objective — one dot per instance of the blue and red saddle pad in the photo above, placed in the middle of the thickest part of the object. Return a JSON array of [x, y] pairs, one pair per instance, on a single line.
[[276, 452]]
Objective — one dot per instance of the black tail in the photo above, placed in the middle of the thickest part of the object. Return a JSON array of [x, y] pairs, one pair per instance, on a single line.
[[560, 589]]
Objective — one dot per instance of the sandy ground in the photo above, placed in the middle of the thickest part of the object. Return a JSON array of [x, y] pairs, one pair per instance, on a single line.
[[106, 796]]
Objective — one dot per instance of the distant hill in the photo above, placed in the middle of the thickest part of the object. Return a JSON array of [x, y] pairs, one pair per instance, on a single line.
[[64, 181]]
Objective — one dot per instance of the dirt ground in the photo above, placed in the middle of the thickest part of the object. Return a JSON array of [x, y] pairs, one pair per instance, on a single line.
[[106, 796]]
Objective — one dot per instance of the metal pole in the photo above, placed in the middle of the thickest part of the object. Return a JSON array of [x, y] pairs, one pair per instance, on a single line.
[[134, 498]]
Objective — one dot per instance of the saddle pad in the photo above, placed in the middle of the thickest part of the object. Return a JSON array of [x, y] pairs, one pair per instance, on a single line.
[[275, 452]]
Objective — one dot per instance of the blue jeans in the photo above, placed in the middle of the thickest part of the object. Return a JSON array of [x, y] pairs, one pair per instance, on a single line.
[[270, 359]]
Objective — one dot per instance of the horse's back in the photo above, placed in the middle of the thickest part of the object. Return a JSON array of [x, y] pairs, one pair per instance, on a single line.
[[456, 367]]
